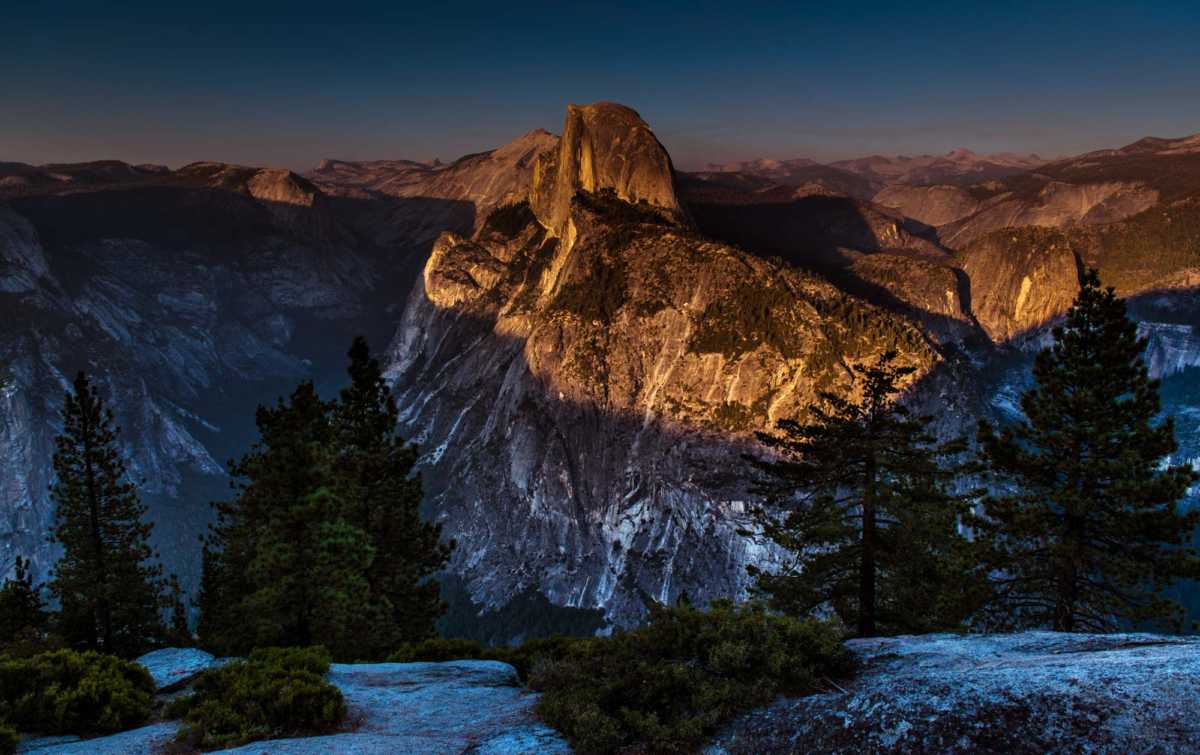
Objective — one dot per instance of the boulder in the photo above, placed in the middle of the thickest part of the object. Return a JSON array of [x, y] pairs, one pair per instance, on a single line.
[[1030, 692], [172, 668]]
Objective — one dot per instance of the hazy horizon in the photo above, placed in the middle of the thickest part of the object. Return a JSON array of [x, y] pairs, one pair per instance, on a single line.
[[290, 85]]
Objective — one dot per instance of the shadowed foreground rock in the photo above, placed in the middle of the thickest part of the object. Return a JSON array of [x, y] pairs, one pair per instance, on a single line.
[[433, 708], [172, 668], [1032, 692]]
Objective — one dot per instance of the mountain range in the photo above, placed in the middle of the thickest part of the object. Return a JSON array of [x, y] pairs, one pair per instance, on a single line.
[[583, 339]]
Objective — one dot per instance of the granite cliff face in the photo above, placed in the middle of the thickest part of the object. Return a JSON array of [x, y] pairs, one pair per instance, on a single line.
[[604, 146], [962, 215], [584, 375], [585, 370], [1021, 280], [183, 299]]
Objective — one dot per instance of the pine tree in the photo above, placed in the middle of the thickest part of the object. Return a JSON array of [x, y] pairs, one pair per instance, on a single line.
[[21, 608], [107, 584], [282, 564], [1086, 529], [375, 476], [323, 542], [862, 497]]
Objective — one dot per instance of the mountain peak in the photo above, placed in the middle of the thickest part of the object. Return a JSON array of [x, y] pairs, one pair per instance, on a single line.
[[604, 145]]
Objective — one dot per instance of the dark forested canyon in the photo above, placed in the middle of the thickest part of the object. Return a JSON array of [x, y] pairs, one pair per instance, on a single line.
[[583, 339]]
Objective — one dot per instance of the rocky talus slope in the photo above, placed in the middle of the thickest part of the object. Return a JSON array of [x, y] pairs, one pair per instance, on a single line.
[[583, 396]]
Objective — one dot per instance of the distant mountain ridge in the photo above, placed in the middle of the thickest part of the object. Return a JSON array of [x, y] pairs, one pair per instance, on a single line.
[[583, 337]]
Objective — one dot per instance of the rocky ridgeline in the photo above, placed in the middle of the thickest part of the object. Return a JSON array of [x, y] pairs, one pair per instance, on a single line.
[[1023, 693]]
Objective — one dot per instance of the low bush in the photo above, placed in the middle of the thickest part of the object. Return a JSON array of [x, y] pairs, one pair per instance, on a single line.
[[276, 692], [666, 686], [522, 657], [440, 649], [8, 740], [67, 692]]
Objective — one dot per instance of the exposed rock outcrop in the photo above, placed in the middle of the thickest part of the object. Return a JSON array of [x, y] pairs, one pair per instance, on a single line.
[[172, 668], [604, 146], [1023, 693], [963, 215], [933, 205], [581, 402], [1020, 280]]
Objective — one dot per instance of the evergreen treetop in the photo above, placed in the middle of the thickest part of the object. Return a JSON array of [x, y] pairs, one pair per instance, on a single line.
[[21, 607], [862, 497], [323, 542], [1085, 527], [109, 588]]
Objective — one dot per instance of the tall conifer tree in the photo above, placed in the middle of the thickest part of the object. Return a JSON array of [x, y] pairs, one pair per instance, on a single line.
[[862, 496], [110, 590], [1087, 528], [282, 565], [324, 543], [375, 475]]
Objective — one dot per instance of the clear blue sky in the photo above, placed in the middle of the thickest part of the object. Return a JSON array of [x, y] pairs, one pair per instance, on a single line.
[[287, 83]]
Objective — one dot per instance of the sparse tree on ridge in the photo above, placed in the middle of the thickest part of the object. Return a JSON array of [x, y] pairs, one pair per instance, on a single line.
[[1086, 530], [862, 497], [110, 590]]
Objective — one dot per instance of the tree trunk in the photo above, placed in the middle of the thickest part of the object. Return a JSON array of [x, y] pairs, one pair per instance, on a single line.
[[866, 576], [103, 614]]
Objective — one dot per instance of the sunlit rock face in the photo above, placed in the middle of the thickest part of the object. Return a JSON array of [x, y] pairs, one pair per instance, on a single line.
[[1020, 281], [603, 146], [962, 215], [584, 402]]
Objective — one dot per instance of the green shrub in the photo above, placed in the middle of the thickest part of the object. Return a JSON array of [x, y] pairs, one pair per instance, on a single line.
[[522, 657], [276, 692], [8, 740], [668, 685], [529, 654], [66, 692], [440, 650]]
